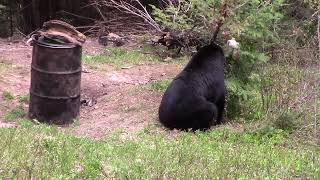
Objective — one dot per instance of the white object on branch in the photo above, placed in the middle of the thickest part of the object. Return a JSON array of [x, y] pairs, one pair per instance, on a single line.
[[29, 41], [233, 43]]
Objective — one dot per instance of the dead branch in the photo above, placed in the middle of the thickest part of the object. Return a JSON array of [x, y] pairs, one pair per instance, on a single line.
[[223, 13], [75, 15], [123, 9], [95, 5]]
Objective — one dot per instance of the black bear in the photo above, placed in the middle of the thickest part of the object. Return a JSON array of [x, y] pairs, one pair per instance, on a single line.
[[195, 98]]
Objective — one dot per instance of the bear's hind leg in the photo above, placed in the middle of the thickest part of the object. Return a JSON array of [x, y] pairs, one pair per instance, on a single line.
[[204, 117]]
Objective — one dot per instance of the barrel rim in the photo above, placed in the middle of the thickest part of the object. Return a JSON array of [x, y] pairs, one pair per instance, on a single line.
[[55, 46]]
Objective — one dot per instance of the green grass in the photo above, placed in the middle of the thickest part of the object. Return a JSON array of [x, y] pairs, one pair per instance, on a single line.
[[42, 152], [7, 96], [24, 98], [159, 50], [119, 57], [4, 67], [15, 113], [167, 56], [133, 108], [159, 85]]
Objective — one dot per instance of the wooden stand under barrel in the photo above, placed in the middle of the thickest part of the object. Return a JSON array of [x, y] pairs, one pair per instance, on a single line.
[[55, 82]]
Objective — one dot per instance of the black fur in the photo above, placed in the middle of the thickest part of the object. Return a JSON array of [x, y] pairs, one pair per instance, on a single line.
[[195, 98]]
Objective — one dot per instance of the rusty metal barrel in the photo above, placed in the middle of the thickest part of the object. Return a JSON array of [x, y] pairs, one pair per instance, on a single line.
[[55, 82]]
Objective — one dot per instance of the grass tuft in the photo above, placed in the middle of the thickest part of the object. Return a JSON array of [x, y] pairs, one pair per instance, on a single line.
[[159, 85], [7, 96], [288, 121], [119, 57], [4, 67], [24, 98], [15, 113]]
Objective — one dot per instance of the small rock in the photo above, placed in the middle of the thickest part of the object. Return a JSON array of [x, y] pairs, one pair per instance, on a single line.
[[88, 102], [85, 70], [6, 125], [167, 59], [126, 67]]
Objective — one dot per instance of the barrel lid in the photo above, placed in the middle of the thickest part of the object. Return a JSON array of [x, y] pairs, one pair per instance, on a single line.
[[51, 43]]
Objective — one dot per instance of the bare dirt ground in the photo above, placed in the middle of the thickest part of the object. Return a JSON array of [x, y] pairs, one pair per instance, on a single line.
[[118, 99]]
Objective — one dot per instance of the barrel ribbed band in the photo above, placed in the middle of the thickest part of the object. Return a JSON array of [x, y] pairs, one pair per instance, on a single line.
[[55, 97], [56, 72]]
